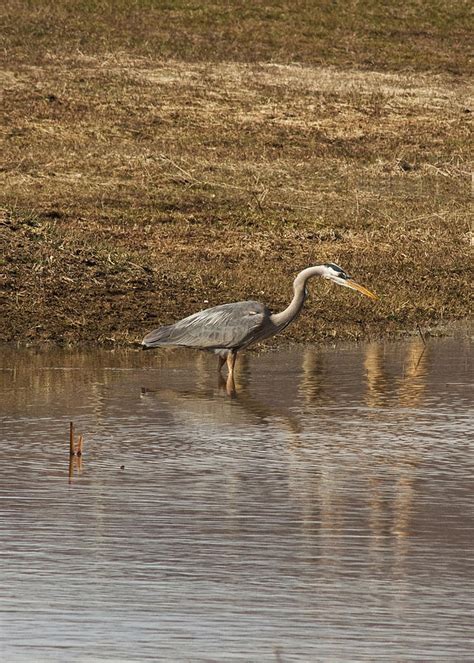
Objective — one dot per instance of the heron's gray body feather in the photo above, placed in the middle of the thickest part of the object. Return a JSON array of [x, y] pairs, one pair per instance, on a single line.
[[219, 329]]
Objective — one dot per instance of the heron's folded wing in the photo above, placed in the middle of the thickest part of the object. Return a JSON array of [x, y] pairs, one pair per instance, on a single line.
[[225, 326]]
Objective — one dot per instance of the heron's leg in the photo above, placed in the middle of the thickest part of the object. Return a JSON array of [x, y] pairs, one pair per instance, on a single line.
[[231, 357], [230, 385], [220, 364]]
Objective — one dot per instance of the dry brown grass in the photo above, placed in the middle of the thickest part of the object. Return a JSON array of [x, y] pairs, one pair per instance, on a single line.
[[138, 189], [418, 35]]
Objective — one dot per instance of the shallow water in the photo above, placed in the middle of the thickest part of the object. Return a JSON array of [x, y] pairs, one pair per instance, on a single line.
[[324, 512]]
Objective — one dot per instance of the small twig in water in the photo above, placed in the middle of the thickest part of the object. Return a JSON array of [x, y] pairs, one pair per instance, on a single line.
[[73, 449], [71, 438], [75, 452], [79, 446]]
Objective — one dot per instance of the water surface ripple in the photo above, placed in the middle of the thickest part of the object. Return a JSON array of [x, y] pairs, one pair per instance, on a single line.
[[322, 513]]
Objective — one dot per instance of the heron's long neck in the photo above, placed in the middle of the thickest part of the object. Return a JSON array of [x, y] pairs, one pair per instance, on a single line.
[[284, 318]]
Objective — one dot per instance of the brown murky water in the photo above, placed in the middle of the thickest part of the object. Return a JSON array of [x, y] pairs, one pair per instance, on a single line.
[[323, 513]]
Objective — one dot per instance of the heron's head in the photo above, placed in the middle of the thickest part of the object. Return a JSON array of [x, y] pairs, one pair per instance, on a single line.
[[334, 273]]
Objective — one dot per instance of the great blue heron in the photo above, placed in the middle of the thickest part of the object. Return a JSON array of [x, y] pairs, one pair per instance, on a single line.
[[228, 328]]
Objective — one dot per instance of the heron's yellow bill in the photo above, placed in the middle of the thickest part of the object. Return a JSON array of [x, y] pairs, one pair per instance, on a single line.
[[355, 286]]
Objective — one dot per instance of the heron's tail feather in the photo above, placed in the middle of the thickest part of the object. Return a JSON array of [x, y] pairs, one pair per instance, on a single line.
[[158, 337]]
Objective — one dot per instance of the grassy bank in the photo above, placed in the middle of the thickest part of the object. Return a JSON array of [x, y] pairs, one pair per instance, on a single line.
[[171, 156]]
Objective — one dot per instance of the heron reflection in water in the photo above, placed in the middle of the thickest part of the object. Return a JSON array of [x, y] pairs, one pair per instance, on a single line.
[[229, 328]]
